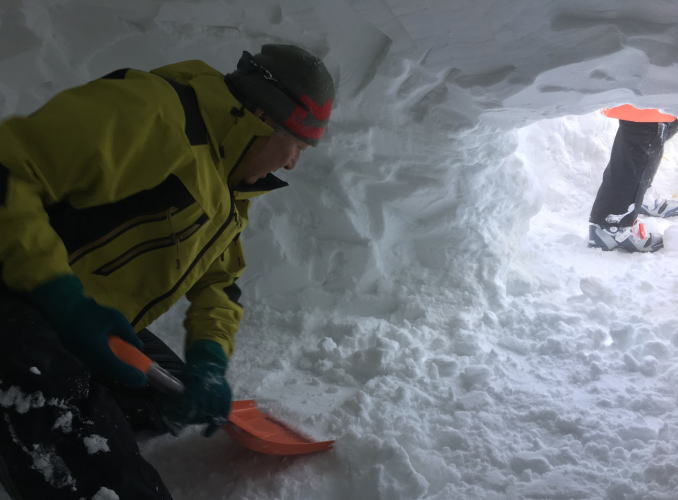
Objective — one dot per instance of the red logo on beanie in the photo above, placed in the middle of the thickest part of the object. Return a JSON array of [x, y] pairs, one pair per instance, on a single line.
[[295, 122]]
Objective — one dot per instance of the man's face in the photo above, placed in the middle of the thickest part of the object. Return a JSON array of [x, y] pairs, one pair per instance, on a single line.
[[268, 154]]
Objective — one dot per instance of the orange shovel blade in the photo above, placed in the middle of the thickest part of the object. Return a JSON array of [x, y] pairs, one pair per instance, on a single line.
[[247, 425], [257, 431]]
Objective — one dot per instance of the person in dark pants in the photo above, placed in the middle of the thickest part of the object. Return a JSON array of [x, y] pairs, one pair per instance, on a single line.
[[62, 421], [636, 153], [117, 198]]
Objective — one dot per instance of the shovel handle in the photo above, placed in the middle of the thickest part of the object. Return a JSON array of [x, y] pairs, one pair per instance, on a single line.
[[129, 354], [158, 377]]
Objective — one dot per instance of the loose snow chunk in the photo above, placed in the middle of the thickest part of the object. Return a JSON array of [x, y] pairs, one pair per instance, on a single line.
[[641, 432], [23, 402], [35, 370], [64, 422], [51, 466], [475, 377], [532, 461], [555, 486], [105, 494], [96, 444]]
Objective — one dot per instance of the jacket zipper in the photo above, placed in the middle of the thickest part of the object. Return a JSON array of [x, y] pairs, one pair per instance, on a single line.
[[204, 249]]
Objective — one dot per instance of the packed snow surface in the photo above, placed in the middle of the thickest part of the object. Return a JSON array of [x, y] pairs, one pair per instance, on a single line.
[[422, 292]]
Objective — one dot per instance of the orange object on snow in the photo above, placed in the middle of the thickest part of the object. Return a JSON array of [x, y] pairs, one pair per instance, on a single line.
[[249, 426], [633, 114], [257, 431]]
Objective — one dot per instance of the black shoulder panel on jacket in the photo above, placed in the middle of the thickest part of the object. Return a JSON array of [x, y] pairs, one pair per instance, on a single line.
[[4, 180], [118, 74], [95, 226], [196, 131], [233, 292]]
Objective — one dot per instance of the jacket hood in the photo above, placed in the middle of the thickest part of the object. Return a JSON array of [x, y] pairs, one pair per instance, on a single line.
[[185, 71], [225, 117]]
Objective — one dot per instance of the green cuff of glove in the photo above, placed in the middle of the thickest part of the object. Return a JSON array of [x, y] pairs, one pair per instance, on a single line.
[[208, 352], [207, 395]]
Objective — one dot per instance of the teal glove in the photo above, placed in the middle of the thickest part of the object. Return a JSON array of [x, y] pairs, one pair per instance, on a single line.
[[83, 326], [207, 395]]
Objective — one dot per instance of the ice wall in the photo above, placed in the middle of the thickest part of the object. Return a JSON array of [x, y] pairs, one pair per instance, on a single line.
[[416, 181]]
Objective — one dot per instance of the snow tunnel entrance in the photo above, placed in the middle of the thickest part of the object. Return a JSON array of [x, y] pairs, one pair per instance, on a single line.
[[605, 292], [567, 157]]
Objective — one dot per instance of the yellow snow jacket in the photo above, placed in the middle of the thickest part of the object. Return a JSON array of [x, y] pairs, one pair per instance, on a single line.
[[124, 182]]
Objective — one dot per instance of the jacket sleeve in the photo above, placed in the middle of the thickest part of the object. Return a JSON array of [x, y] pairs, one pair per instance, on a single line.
[[30, 251], [215, 313], [87, 146]]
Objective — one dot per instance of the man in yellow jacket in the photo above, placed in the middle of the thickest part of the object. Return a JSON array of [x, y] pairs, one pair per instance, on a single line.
[[116, 199]]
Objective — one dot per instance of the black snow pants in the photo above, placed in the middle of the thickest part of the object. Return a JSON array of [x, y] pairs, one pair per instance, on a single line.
[[636, 153], [64, 434]]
